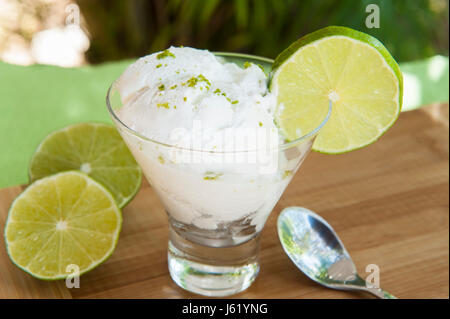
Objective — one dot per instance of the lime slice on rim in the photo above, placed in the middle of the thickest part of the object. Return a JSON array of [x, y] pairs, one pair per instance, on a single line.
[[61, 220], [350, 68], [95, 149]]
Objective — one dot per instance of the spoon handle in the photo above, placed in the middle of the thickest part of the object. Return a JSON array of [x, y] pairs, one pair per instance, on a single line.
[[380, 293], [360, 284]]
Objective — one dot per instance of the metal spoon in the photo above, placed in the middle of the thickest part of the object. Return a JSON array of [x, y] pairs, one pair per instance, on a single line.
[[317, 251]]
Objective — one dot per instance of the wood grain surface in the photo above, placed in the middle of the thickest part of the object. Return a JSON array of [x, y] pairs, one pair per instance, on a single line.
[[389, 203]]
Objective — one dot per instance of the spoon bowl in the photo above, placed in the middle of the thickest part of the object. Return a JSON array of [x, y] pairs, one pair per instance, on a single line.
[[314, 247]]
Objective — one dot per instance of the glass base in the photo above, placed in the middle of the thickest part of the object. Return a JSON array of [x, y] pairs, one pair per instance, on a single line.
[[212, 271]]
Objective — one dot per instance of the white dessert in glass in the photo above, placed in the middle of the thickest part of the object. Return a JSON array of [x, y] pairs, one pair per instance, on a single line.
[[202, 129]]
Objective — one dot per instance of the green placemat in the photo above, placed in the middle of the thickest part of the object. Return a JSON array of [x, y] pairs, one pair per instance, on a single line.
[[425, 82], [37, 100]]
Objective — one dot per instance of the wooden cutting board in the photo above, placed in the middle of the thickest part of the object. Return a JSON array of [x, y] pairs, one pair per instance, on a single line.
[[389, 203]]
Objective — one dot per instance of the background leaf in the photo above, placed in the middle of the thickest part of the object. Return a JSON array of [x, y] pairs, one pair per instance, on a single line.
[[120, 29]]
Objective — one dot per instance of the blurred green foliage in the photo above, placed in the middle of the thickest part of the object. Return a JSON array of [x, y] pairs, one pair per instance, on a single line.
[[121, 29]]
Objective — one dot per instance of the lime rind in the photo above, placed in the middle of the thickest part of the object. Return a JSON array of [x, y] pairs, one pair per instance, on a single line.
[[66, 164], [98, 262], [335, 32], [341, 31]]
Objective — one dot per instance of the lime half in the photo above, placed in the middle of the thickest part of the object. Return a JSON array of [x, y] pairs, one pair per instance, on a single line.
[[350, 68], [95, 149], [67, 219]]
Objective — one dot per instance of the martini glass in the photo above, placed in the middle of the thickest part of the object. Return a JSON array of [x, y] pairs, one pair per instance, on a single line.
[[217, 202]]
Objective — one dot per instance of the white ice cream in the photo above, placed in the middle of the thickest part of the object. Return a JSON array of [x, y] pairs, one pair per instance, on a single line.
[[190, 98], [186, 87]]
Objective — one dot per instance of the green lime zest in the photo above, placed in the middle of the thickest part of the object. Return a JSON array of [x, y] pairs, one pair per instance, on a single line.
[[166, 53], [164, 105], [192, 82], [211, 176]]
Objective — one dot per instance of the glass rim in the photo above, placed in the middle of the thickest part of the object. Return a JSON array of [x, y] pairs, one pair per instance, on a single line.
[[281, 146]]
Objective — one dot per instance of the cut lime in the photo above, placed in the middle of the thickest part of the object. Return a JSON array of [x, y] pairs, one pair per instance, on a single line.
[[61, 220], [350, 68], [95, 149]]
